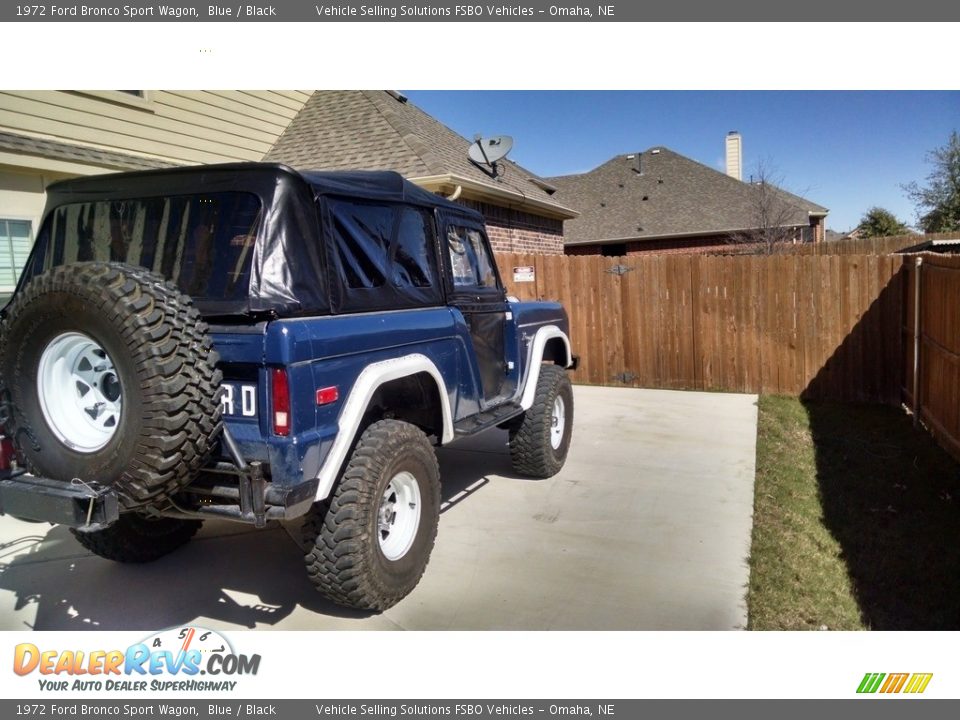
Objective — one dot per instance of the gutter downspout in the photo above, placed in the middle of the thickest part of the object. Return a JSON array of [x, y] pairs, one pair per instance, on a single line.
[[455, 194]]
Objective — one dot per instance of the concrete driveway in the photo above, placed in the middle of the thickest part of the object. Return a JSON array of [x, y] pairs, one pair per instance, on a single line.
[[647, 527]]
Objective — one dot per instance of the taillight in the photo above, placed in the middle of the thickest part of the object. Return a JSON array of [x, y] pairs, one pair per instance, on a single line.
[[8, 457], [281, 402]]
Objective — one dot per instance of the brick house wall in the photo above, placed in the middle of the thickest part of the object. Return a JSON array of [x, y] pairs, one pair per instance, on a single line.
[[819, 226], [513, 230]]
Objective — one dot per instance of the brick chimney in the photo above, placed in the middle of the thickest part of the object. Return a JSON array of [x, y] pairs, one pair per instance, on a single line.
[[734, 155]]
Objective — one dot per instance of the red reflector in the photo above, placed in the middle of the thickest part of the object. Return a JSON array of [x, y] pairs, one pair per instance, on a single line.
[[7, 456], [327, 395], [281, 402]]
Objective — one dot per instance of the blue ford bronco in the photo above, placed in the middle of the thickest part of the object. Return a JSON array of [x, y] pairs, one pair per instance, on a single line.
[[254, 343]]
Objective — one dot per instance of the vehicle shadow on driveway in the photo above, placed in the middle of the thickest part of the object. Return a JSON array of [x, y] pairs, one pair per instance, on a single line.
[[229, 574], [245, 578]]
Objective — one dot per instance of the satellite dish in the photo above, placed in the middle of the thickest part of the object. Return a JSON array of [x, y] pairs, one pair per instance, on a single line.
[[487, 151]]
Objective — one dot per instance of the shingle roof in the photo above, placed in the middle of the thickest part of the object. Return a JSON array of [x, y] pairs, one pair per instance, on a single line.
[[56, 150], [659, 193], [378, 130]]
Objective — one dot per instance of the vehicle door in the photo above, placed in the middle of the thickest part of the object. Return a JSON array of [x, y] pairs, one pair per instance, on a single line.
[[474, 288]]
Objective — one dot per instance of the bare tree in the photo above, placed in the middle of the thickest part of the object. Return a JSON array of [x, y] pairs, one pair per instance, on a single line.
[[938, 202], [775, 218]]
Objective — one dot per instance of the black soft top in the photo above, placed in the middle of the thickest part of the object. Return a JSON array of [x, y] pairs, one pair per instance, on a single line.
[[287, 274], [268, 180]]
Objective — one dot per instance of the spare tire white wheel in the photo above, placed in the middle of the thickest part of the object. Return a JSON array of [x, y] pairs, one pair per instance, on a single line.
[[114, 380]]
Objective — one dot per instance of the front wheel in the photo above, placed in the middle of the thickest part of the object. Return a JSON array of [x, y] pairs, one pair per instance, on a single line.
[[368, 545], [539, 442]]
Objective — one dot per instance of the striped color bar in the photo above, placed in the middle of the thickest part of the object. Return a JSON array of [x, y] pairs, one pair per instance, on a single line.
[[871, 682], [894, 683], [918, 682]]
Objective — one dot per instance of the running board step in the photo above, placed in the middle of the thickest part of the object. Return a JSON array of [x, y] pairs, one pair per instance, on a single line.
[[487, 419]]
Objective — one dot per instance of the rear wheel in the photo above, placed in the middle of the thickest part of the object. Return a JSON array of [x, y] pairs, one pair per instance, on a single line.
[[136, 538], [369, 543]]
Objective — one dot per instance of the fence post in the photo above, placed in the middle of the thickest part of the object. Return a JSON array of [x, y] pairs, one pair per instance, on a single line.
[[916, 342]]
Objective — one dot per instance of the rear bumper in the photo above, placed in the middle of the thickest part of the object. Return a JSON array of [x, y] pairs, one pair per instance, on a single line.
[[85, 506], [89, 507]]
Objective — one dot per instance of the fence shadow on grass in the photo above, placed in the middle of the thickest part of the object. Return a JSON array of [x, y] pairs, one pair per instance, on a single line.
[[889, 494], [891, 497]]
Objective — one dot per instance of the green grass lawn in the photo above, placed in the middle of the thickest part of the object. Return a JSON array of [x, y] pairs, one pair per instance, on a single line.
[[856, 521]]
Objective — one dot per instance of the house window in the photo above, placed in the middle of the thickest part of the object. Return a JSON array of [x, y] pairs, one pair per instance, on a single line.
[[14, 249]]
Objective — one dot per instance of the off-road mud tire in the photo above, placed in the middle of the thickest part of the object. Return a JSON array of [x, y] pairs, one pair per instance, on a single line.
[[531, 451], [135, 538], [165, 363], [343, 555]]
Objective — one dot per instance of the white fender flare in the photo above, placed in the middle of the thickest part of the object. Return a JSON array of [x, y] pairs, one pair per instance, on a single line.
[[535, 358], [372, 377]]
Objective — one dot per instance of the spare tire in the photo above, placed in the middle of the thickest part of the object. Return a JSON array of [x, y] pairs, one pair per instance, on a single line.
[[112, 377]]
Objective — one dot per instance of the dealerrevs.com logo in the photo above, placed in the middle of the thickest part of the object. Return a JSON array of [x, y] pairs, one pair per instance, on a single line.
[[172, 660]]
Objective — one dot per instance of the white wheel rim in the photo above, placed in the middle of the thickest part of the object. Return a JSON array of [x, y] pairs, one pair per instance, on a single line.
[[399, 516], [79, 391], [557, 422]]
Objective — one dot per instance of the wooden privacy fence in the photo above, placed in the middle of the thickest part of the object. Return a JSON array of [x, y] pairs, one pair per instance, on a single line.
[[932, 345], [866, 246], [825, 327]]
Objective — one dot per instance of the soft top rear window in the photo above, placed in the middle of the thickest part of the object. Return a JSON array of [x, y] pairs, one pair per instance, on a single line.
[[204, 243]]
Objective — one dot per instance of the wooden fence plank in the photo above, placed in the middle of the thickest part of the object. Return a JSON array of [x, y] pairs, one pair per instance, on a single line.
[[687, 337], [753, 321], [653, 351], [835, 313], [611, 319], [701, 335], [807, 320], [630, 295], [738, 300]]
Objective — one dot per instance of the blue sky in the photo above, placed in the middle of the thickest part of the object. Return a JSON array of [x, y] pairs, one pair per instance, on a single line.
[[845, 150]]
